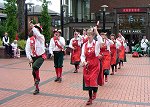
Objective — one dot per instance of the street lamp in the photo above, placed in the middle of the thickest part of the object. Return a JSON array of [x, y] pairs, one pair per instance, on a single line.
[[62, 17], [26, 18], [104, 17]]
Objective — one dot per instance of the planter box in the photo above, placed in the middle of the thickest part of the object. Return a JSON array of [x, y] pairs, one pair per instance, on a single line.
[[148, 51], [3, 53], [22, 53]]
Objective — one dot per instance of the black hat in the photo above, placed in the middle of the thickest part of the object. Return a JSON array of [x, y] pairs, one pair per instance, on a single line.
[[38, 27], [59, 31]]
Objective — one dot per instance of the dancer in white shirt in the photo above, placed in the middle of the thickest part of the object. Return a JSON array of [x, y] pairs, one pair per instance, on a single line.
[[35, 51], [56, 48]]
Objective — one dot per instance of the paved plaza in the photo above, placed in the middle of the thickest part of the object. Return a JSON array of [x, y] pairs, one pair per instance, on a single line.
[[129, 87]]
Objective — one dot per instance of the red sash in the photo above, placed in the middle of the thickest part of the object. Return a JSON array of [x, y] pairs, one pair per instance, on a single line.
[[56, 43], [32, 45]]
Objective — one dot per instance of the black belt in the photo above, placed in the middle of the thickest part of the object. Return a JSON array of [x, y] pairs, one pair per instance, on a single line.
[[37, 56], [57, 51]]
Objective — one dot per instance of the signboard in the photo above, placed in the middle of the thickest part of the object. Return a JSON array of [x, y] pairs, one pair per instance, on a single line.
[[136, 31], [131, 10]]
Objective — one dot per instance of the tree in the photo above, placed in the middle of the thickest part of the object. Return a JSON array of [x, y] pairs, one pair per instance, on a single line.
[[11, 21], [21, 15], [45, 20], [2, 28]]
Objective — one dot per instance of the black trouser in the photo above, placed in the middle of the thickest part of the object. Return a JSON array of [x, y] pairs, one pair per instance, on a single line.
[[92, 90], [8, 50], [76, 66], [58, 59], [112, 66], [120, 62], [37, 62]]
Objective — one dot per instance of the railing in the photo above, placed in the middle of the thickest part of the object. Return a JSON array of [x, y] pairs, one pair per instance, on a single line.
[[69, 18]]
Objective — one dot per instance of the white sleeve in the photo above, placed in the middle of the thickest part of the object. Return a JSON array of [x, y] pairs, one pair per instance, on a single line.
[[111, 42], [70, 44], [99, 39], [5, 41], [142, 41], [108, 45], [28, 49], [79, 42], [51, 46], [118, 44], [80, 37], [97, 48], [12, 44], [38, 34], [123, 38], [82, 54]]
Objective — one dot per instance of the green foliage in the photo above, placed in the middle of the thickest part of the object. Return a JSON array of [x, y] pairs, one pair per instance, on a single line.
[[34, 21], [45, 21], [22, 44], [11, 22], [1, 42], [21, 35], [2, 29]]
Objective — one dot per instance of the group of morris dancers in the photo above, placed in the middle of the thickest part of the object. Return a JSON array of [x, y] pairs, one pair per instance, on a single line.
[[95, 51], [97, 57]]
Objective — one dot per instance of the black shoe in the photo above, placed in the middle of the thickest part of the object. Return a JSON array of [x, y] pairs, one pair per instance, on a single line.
[[36, 92], [76, 71], [59, 80], [56, 79]]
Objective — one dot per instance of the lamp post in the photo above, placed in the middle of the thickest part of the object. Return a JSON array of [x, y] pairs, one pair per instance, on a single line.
[[62, 17], [104, 16], [26, 19]]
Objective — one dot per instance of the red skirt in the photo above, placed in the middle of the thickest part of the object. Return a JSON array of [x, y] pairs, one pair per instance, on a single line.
[[75, 56], [113, 56], [106, 60], [91, 72], [101, 75], [121, 53]]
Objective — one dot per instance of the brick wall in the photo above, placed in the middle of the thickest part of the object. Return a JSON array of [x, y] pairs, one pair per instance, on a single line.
[[96, 4]]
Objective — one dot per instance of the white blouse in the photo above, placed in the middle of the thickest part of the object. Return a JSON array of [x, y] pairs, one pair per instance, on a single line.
[[79, 42], [97, 49], [53, 47], [121, 39]]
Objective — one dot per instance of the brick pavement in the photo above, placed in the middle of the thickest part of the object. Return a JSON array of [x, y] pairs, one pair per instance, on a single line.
[[129, 87]]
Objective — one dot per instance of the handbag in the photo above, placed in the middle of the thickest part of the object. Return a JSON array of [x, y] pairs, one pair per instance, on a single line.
[[135, 54]]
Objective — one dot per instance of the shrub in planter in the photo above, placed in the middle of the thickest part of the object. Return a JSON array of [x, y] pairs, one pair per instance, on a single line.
[[22, 44], [1, 42]]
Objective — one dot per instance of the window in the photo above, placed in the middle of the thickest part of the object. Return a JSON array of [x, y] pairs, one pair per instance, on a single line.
[[134, 23]]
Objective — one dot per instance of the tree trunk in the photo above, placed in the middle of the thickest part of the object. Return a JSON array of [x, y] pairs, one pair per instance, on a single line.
[[21, 15]]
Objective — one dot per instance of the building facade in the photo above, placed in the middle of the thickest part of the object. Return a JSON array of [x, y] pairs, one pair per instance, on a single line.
[[34, 13], [130, 17], [2, 15]]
